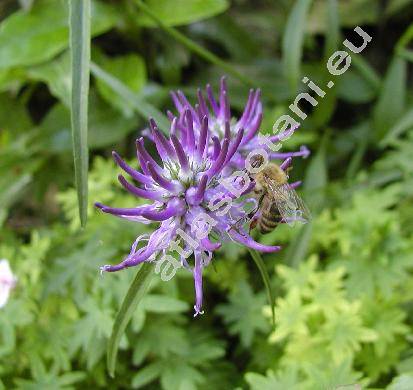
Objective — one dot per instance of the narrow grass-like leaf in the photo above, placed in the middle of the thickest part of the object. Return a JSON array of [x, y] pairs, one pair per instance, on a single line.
[[80, 59], [406, 54], [298, 248], [405, 38], [364, 131], [292, 44], [134, 295], [366, 71], [315, 182], [193, 46], [316, 179], [392, 99], [144, 109], [400, 127], [333, 28], [266, 279]]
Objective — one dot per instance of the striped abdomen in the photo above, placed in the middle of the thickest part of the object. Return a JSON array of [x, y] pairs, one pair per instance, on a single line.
[[270, 216]]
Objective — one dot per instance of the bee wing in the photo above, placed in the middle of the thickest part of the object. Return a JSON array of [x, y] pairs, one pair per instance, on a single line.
[[290, 206]]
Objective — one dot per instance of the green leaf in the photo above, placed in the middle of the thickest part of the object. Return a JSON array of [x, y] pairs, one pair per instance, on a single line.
[[106, 126], [363, 131], [193, 46], [147, 375], [179, 12], [333, 28], [400, 127], [402, 382], [298, 248], [56, 74], [243, 313], [135, 293], [314, 189], [163, 304], [354, 88], [406, 54], [144, 109], [130, 70], [292, 44], [366, 71], [392, 99], [316, 178], [28, 38], [80, 60], [266, 279], [280, 381], [394, 6]]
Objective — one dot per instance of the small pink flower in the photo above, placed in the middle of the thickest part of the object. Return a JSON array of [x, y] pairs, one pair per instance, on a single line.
[[7, 282]]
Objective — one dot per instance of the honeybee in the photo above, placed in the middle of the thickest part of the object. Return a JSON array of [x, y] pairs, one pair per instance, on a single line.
[[278, 202]]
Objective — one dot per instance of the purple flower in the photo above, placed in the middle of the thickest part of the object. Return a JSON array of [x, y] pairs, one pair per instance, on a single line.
[[220, 114], [191, 193]]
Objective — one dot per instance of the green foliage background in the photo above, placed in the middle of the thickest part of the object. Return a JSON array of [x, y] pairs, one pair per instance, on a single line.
[[344, 284]]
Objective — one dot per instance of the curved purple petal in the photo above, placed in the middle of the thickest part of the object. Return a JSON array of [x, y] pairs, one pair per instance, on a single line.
[[197, 195], [180, 153], [190, 131], [130, 171], [213, 103], [167, 184], [203, 135], [198, 283], [234, 146], [304, 152], [286, 163], [210, 246], [250, 243], [218, 164], [146, 194]]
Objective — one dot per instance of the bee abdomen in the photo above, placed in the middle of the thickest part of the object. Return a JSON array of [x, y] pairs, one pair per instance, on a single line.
[[268, 223]]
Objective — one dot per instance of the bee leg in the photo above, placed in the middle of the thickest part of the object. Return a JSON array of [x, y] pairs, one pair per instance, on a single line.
[[253, 224]]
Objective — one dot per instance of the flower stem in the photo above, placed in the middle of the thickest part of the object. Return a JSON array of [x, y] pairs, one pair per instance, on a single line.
[[266, 279], [136, 292]]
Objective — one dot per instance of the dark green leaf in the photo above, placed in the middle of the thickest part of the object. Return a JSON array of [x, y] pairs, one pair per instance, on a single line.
[[316, 179], [56, 74], [292, 44], [106, 126], [400, 127], [366, 71], [80, 60], [131, 71], [144, 109], [28, 38], [352, 87], [193, 46], [392, 99], [333, 28], [178, 12]]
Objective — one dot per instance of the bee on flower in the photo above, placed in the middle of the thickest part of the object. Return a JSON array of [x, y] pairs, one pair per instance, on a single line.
[[191, 186]]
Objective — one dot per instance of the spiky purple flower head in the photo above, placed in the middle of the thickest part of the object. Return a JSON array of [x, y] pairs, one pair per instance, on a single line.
[[193, 197], [220, 114]]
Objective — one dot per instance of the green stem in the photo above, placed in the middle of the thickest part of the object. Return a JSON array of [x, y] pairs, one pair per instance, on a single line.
[[194, 47], [266, 279], [136, 292]]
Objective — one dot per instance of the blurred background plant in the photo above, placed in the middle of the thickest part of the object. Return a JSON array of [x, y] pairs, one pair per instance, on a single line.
[[344, 311]]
